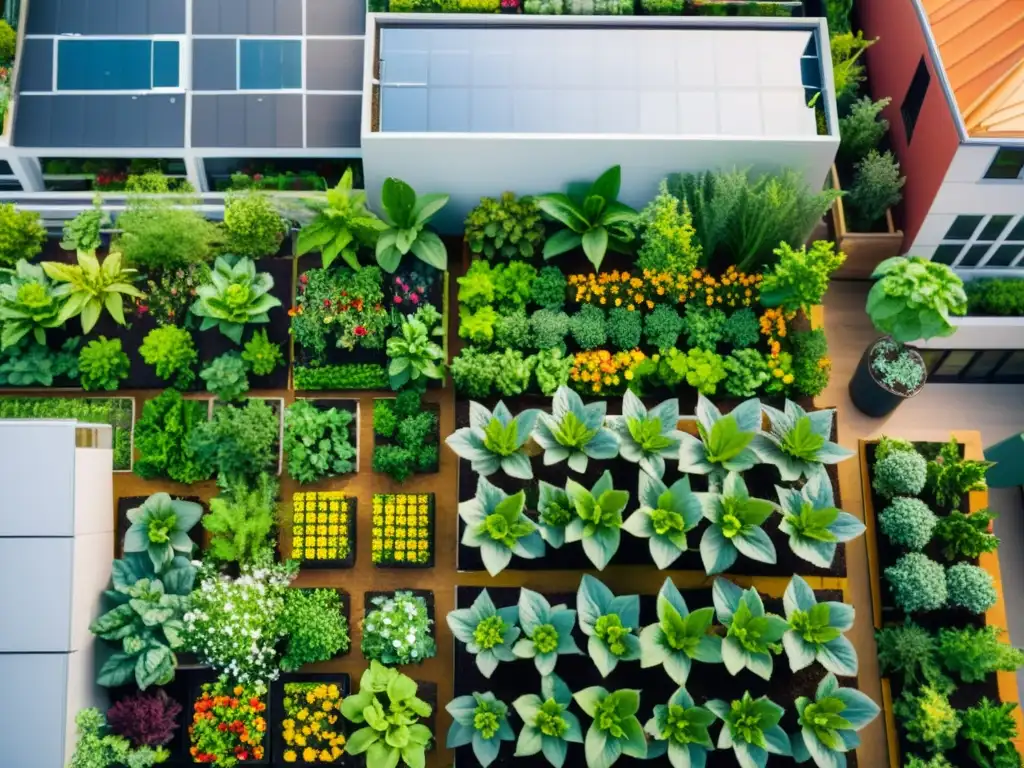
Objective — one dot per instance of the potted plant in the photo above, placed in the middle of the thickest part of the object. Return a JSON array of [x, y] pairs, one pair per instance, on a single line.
[[913, 299]]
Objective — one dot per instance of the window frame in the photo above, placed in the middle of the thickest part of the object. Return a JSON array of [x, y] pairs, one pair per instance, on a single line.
[[966, 245], [1019, 151], [301, 42], [151, 39]]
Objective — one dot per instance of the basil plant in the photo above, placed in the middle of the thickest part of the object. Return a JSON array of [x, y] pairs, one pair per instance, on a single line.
[[647, 437], [751, 729], [480, 720], [829, 723], [495, 523], [680, 637], [680, 729], [798, 442], [554, 513], [609, 623], [816, 631], [726, 443], [548, 725], [548, 631], [616, 731], [752, 635], [488, 632], [736, 520], [598, 518], [495, 440], [665, 516], [812, 522], [574, 431]]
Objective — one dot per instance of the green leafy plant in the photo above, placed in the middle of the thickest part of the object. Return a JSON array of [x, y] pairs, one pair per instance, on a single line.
[[928, 719], [344, 376], [910, 651], [816, 631], [547, 631], [261, 354], [29, 304], [966, 536], [489, 633], [647, 437], [507, 228], [22, 234], [172, 351], [813, 523], [226, 376], [995, 296], [102, 364], [238, 443], [876, 187], [554, 513], [799, 279], [164, 233], [88, 288], [918, 583], [496, 524], [741, 329], [624, 328], [970, 587], [476, 287], [478, 326], [950, 477], [615, 731], [480, 720], [32, 364], [406, 216], [662, 327], [237, 295], [397, 629], [973, 653], [513, 331], [415, 357], [811, 364], [901, 472], [549, 289], [588, 327], [548, 725], [680, 731], [989, 730], [914, 298], [549, 328], [752, 635], [241, 521], [704, 370], [160, 528], [595, 221], [574, 432], [679, 637], [254, 227], [163, 437], [96, 749], [551, 369], [341, 225], [704, 327], [908, 523], [736, 519], [751, 729], [495, 440], [829, 723], [666, 514], [474, 371], [598, 519], [318, 442], [863, 128], [609, 622], [391, 732], [667, 236], [726, 442], [798, 442], [314, 625], [847, 71]]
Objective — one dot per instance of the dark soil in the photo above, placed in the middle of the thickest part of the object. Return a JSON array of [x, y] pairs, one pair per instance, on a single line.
[[706, 681], [126, 503]]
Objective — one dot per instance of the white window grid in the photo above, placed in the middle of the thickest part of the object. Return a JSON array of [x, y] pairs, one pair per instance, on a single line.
[[994, 245]]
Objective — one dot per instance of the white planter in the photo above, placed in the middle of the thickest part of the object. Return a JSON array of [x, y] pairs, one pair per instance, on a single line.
[[981, 332]]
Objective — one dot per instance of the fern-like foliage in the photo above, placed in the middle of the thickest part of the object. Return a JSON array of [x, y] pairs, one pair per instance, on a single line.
[[241, 521]]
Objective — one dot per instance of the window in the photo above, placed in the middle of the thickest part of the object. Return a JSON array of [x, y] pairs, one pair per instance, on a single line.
[[983, 242], [911, 107], [963, 227], [132, 64], [269, 65], [1007, 164]]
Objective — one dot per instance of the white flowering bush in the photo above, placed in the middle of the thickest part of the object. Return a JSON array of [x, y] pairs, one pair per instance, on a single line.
[[235, 625], [398, 630]]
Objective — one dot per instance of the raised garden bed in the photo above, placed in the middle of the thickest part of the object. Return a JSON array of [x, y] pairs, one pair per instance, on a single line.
[[287, 696], [331, 550], [209, 677], [392, 517], [864, 250], [341, 404], [417, 451], [277, 406]]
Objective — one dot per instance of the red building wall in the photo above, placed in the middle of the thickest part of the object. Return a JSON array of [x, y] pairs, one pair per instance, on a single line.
[[892, 62]]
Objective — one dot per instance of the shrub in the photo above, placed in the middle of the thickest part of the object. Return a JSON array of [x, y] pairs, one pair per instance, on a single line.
[[22, 234], [970, 587], [663, 326], [241, 521], [226, 376], [901, 473], [747, 372], [341, 377], [163, 438], [506, 228], [863, 128], [474, 372], [102, 364], [551, 369], [478, 326], [741, 328], [384, 419], [549, 328], [549, 289], [908, 523], [918, 583], [588, 327], [1002, 296], [811, 364], [157, 236], [171, 350], [973, 653], [799, 279], [513, 376], [513, 330], [990, 730], [8, 43], [703, 327], [314, 625], [624, 328], [950, 477], [261, 354], [966, 536], [318, 442], [253, 225], [928, 719], [513, 283], [910, 651], [82, 233], [146, 718], [395, 461], [476, 287], [704, 369], [237, 444], [876, 187], [667, 234]]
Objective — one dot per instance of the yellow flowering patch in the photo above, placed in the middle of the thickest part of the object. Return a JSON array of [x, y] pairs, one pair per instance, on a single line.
[[774, 325], [322, 525], [403, 525], [642, 290], [598, 371], [310, 727]]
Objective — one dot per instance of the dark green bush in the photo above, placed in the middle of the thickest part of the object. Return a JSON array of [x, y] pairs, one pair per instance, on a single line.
[[163, 438], [341, 377], [1003, 296], [741, 329], [624, 328], [384, 419], [549, 328], [703, 327], [512, 330], [588, 327], [548, 290], [662, 327]]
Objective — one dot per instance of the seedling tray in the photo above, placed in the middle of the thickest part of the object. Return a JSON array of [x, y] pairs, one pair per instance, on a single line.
[[431, 537]]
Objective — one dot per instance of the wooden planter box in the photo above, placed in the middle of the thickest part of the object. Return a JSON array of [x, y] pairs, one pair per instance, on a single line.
[[864, 250]]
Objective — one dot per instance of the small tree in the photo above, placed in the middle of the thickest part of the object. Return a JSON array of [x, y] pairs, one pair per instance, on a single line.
[[876, 187], [862, 129]]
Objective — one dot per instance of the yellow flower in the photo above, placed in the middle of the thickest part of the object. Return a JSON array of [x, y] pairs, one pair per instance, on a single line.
[[309, 754], [302, 714], [290, 756]]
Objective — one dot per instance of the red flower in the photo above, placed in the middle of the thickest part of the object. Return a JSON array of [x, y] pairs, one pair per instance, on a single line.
[[398, 299], [257, 176], [327, 302], [359, 330], [254, 702], [222, 727], [414, 298], [143, 309], [303, 278]]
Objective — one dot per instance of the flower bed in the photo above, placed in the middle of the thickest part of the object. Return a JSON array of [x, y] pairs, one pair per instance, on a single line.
[[329, 539], [229, 722], [403, 530], [410, 614], [308, 727]]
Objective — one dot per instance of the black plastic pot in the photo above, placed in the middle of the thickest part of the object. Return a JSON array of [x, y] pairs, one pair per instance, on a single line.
[[871, 396]]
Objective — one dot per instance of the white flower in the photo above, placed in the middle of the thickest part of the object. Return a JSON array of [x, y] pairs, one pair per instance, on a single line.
[[387, 621], [411, 638], [388, 607], [396, 643], [413, 653], [385, 634]]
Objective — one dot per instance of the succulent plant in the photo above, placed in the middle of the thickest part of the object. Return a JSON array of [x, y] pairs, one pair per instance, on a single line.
[[548, 631], [574, 431], [495, 440], [665, 516], [495, 523], [489, 633], [160, 528], [29, 303], [609, 622], [548, 725], [814, 526], [680, 637], [647, 437], [237, 295]]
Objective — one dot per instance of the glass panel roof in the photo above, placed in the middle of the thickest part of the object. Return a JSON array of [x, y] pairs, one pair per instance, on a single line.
[[694, 82]]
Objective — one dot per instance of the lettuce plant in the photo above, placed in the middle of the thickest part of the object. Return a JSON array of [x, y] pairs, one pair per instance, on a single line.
[[609, 623], [829, 723], [726, 442], [554, 513], [751, 729], [480, 720], [548, 631], [574, 431], [752, 635], [616, 731], [812, 522], [679, 637], [798, 442], [735, 529], [680, 729], [488, 632], [598, 518], [548, 725], [160, 528], [495, 523], [647, 437], [495, 440], [816, 631], [28, 304], [236, 295], [665, 516]]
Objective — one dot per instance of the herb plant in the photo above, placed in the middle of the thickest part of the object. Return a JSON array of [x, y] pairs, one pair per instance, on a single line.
[[910, 651], [666, 514], [598, 518], [171, 350], [261, 354], [96, 749], [163, 437], [415, 357], [407, 216], [29, 304], [918, 583], [252, 224], [547, 631], [799, 279], [397, 630], [554, 513], [680, 730], [950, 478], [495, 523], [816, 631], [972, 653], [146, 719], [615, 731], [489, 633], [226, 376], [970, 587], [574, 431], [990, 730], [237, 444], [241, 521], [237, 295], [647, 437], [87, 288], [814, 525], [341, 225], [928, 719], [507, 228], [480, 720], [751, 729], [548, 725], [102, 364], [736, 519], [31, 364], [318, 442], [549, 289], [798, 442], [899, 472], [908, 523], [829, 723], [752, 635], [588, 327], [747, 371], [679, 637], [609, 623], [160, 528], [494, 441], [914, 298], [314, 625], [966, 536], [726, 442]]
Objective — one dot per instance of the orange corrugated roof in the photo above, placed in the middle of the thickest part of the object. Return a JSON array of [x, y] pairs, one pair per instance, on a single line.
[[981, 43]]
